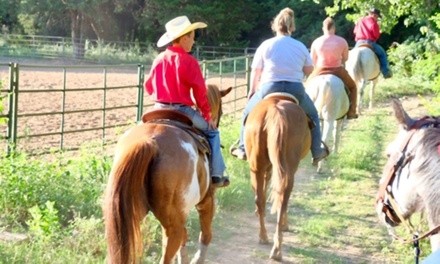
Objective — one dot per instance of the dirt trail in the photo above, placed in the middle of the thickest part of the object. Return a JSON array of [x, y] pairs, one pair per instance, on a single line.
[[239, 239], [240, 244]]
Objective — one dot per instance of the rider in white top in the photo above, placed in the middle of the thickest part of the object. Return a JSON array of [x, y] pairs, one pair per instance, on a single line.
[[280, 65], [282, 58]]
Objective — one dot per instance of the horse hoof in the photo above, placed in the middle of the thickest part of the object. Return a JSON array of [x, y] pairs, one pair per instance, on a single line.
[[276, 256], [263, 241]]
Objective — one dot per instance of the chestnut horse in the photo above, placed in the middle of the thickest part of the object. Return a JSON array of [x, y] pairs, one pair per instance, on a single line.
[[159, 168], [411, 178], [277, 137], [363, 66]]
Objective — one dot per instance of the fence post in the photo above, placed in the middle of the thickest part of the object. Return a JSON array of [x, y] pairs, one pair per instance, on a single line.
[[140, 99], [248, 74], [13, 106]]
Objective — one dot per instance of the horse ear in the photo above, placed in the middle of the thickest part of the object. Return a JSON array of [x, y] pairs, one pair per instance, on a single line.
[[226, 91], [401, 116]]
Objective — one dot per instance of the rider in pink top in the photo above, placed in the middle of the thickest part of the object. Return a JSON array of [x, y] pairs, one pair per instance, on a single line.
[[329, 53], [329, 50]]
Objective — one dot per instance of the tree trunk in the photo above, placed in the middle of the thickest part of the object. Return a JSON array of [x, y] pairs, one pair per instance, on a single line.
[[76, 29]]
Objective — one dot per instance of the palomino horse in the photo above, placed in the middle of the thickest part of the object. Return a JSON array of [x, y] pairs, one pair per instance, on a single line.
[[328, 93], [411, 178], [363, 66], [277, 137], [159, 167]]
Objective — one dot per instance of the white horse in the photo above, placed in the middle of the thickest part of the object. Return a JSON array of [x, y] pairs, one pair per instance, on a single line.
[[411, 178], [363, 66], [328, 93]]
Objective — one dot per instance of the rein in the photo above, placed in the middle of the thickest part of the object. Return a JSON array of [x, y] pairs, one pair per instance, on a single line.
[[392, 210]]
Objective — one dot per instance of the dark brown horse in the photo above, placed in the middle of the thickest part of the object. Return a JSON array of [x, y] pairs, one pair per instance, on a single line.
[[277, 137], [159, 168]]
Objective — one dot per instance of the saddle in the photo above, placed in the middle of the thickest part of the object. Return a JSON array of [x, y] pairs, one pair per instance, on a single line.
[[293, 99], [366, 45], [180, 120]]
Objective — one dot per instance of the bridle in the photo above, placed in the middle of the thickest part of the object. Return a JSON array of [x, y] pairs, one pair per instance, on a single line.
[[390, 208]]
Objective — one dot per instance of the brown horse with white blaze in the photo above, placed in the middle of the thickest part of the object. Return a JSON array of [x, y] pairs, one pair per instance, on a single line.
[[277, 137], [159, 168]]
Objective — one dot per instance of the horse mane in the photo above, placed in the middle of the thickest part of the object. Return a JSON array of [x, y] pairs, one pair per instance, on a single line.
[[427, 169], [428, 146], [214, 99]]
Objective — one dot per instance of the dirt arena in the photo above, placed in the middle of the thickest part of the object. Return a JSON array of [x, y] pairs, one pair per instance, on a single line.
[[47, 91]]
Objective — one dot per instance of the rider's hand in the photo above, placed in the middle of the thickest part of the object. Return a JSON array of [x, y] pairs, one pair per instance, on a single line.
[[212, 125]]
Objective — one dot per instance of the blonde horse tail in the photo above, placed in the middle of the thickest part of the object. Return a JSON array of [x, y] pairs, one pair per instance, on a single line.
[[125, 203], [276, 134]]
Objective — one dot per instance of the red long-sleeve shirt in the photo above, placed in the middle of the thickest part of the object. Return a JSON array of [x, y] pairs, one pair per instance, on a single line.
[[367, 28], [173, 75]]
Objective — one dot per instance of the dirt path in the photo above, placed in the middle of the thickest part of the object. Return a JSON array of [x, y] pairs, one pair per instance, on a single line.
[[239, 238], [238, 242], [241, 244]]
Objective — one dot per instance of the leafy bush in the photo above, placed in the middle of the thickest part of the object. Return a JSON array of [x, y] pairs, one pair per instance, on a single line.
[[76, 185]]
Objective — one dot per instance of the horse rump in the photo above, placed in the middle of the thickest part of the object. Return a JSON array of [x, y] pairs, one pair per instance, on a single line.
[[125, 203]]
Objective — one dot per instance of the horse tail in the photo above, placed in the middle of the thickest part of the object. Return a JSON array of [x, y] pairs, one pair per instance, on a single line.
[[125, 203], [358, 67], [277, 135]]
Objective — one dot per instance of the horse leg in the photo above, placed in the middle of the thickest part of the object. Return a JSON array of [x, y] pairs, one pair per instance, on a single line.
[[326, 136], [182, 256], [337, 135], [172, 238], [259, 186], [206, 210], [373, 87], [361, 85], [276, 252]]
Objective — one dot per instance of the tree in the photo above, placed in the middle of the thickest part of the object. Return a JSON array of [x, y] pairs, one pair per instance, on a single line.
[[98, 16], [420, 12], [227, 20]]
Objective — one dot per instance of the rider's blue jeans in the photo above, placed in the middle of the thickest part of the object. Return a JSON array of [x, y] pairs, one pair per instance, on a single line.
[[217, 163], [381, 55], [296, 89]]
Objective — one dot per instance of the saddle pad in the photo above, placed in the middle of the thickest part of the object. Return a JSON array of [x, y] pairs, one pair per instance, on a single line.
[[281, 95]]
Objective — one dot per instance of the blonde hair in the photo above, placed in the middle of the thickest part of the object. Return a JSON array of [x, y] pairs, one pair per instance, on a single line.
[[284, 22]]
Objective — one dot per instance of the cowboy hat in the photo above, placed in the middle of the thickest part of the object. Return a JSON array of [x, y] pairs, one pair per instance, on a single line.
[[375, 11], [176, 28]]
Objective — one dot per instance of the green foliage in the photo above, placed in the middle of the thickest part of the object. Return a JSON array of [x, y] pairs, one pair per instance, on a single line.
[[75, 185], [3, 120], [403, 56], [44, 223]]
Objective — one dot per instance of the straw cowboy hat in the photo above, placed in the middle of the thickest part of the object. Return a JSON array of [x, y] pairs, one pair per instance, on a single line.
[[178, 27]]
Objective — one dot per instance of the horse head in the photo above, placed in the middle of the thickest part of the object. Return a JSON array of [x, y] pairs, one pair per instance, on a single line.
[[215, 100], [410, 180]]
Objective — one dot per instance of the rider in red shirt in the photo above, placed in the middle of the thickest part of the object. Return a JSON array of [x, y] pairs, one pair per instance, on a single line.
[[174, 76], [367, 30]]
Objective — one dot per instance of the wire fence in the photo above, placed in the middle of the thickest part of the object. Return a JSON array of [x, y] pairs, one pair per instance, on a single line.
[[58, 108], [91, 50]]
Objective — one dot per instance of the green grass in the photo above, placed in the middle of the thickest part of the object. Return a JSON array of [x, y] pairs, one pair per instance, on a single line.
[[55, 200]]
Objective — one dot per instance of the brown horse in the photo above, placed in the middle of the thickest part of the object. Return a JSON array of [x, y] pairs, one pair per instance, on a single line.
[[159, 168], [277, 137]]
